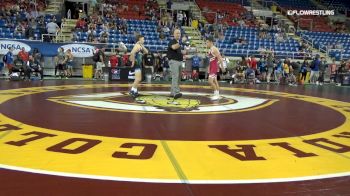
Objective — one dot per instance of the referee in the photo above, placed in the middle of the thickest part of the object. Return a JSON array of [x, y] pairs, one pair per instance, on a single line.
[[175, 62]]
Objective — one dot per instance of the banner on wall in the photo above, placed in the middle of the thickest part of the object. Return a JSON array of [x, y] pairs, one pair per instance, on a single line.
[[47, 49], [5, 45], [80, 50]]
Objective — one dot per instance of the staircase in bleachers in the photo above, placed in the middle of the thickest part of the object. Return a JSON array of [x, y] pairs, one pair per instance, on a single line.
[[54, 6], [196, 39], [328, 39], [67, 28]]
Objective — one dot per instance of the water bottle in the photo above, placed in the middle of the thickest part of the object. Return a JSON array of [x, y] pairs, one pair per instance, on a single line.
[[106, 76]]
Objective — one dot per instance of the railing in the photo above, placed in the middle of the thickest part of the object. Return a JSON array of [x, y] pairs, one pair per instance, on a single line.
[[53, 37], [280, 54], [336, 50]]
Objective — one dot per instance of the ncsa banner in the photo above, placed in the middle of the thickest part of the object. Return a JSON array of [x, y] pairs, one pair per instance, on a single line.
[[17, 46], [80, 50]]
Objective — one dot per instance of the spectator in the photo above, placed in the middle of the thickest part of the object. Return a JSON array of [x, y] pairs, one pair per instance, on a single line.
[[169, 4], [323, 66], [278, 72], [61, 63], [269, 65], [100, 63], [34, 66], [36, 55], [20, 29], [303, 71], [333, 68], [315, 69], [148, 61], [81, 24], [23, 55], [286, 69], [113, 60], [195, 66], [126, 59], [340, 73], [52, 28], [18, 67], [104, 37], [8, 60], [262, 69], [69, 60], [180, 18], [165, 66], [184, 19]]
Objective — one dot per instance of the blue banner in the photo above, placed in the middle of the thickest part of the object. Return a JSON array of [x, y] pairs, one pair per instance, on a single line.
[[79, 50]]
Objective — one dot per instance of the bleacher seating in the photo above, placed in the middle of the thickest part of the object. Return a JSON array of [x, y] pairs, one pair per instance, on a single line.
[[144, 27], [323, 39], [314, 23], [229, 48], [131, 14], [233, 10], [318, 23], [336, 4], [299, 5]]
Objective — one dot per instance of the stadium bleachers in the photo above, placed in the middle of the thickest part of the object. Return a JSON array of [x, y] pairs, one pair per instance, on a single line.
[[336, 4], [300, 5], [324, 39], [144, 27], [314, 23], [249, 34], [233, 10]]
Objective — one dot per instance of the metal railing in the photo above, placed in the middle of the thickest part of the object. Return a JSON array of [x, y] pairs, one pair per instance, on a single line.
[[280, 54]]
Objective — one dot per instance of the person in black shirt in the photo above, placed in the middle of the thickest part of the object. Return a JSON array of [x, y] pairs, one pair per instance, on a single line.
[[175, 57], [148, 61], [33, 65]]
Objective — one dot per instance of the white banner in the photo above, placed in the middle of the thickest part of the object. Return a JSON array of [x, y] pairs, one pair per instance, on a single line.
[[80, 50], [17, 46]]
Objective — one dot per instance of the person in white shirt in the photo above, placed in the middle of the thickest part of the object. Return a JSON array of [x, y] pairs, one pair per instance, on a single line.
[[52, 28], [180, 18]]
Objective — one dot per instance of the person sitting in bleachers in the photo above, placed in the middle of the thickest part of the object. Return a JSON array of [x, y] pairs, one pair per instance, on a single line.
[[104, 37], [34, 66], [20, 29]]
